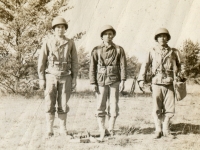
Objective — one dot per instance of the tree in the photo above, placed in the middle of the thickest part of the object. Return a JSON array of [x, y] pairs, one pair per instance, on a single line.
[[191, 58], [84, 61], [24, 23], [133, 66]]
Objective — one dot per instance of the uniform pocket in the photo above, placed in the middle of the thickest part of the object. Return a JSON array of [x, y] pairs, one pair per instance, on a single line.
[[113, 78], [100, 78], [112, 70]]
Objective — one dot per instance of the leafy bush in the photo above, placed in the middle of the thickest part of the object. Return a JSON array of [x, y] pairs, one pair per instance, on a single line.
[[23, 25], [191, 58]]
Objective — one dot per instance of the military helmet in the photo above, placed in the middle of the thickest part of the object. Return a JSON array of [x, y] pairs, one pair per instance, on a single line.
[[162, 31], [105, 28], [58, 21]]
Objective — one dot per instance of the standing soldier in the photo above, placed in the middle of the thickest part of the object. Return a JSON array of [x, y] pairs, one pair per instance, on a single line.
[[107, 76], [165, 62], [57, 70]]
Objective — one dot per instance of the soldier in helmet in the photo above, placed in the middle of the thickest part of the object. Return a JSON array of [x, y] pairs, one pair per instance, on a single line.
[[107, 76], [166, 64], [57, 70]]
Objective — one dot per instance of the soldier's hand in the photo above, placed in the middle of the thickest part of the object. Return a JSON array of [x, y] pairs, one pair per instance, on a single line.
[[42, 84], [141, 84], [121, 86], [95, 88], [74, 84]]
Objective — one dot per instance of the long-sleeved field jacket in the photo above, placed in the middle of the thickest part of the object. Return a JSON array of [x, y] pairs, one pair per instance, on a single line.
[[58, 58], [107, 65], [165, 63]]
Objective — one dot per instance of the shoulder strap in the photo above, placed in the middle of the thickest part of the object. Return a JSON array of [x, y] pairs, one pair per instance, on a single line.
[[118, 49], [99, 49], [154, 71], [67, 51]]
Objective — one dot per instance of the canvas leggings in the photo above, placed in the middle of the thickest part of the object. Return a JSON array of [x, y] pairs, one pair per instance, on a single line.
[[108, 98], [163, 101], [58, 89]]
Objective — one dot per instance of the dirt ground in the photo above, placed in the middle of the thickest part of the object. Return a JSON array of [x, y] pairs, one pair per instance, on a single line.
[[22, 124]]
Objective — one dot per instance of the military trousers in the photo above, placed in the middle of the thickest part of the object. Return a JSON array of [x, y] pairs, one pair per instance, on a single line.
[[58, 90], [107, 99], [163, 101]]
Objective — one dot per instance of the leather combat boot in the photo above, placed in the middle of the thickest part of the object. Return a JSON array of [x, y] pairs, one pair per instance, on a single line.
[[62, 120], [49, 124], [158, 126], [111, 124], [102, 129], [166, 131]]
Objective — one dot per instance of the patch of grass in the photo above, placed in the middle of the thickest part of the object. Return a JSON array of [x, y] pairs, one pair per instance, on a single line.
[[126, 130], [83, 94], [134, 126], [185, 128], [122, 141]]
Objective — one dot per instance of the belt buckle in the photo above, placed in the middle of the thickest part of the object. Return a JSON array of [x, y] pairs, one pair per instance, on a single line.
[[57, 65]]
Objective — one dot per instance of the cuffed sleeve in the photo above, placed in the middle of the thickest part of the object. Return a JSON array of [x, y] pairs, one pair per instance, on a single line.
[[93, 67], [42, 61], [123, 65], [145, 65], [74, 61], [178, 59]]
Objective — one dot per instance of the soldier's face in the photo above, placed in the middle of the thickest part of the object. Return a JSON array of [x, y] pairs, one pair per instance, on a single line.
[[59, 30], [162, 39], [108, 36]]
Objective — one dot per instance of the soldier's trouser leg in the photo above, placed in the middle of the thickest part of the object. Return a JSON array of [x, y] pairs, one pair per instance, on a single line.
[[102, 129], [163, 104], [158, 127], [102, 97], [113, 108], [101, 109], [169, 109], [50, 101], [64, 92], [101, 123], [49, 124], [166, 131]]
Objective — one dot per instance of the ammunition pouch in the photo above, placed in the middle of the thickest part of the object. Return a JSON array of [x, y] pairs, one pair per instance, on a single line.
[[112, 70], [163, 77], [102, 70], [59, 68], [108, 70], [108, 74]]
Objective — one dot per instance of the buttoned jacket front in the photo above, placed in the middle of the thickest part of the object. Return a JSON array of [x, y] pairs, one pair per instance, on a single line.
[[58, 57], [107, 65], [165, 63]]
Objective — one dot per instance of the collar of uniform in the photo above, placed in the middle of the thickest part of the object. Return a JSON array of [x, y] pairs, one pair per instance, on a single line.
[[159, 48], [162, 47], [112, 44], [53, 40]]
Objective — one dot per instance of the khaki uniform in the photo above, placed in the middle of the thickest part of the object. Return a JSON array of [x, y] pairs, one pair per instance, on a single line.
[[57, 64], [165, 63], [107, 69]]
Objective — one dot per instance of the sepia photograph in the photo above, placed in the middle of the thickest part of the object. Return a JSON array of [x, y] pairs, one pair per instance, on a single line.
[[99, 74]]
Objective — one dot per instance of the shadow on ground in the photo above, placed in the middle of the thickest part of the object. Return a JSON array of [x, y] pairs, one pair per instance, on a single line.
[[185, 128], [180, 128]]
